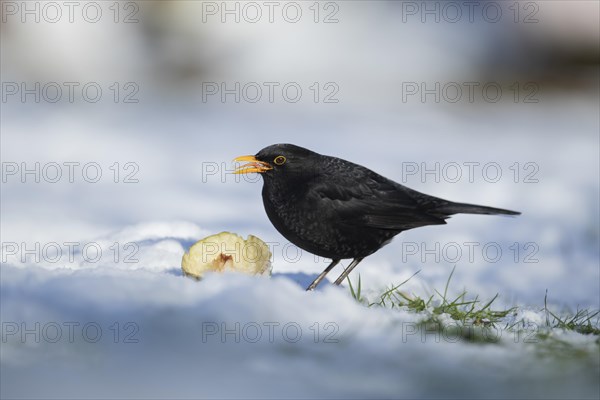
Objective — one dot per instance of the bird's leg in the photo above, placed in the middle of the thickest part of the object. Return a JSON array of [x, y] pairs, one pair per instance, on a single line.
[[313, 285], [347, 271]]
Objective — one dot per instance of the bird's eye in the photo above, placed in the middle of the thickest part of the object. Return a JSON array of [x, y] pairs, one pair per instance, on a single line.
[[279, 160]]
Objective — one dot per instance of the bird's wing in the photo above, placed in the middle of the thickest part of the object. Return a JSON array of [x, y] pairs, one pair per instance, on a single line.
[[371, 201]]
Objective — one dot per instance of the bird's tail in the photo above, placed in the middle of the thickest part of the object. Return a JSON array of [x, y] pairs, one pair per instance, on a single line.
[[463, 208]]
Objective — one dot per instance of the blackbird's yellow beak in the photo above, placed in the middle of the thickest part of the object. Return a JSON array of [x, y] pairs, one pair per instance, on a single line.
[[254, 165]]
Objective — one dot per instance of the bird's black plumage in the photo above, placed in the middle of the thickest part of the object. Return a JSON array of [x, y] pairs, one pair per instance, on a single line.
[[337, 209]]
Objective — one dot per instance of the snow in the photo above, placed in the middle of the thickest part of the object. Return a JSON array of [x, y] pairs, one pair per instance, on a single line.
[[107, 330], [377, 353], [181, 349]]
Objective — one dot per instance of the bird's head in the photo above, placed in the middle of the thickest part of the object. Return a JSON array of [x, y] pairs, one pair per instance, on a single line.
[[278, 160]]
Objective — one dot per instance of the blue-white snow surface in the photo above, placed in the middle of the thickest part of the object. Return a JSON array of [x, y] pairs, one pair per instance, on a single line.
[[128, 324]]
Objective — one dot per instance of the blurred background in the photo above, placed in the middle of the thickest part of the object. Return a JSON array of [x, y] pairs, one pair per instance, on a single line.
[[161, 96]]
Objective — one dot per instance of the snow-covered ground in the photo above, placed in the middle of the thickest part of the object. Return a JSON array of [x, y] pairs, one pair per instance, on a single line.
[[93, 301], [126, 323], [157, 335]]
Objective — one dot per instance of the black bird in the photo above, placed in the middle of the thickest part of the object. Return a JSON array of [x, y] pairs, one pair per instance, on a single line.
[[337, 209]]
